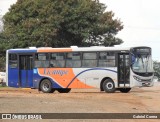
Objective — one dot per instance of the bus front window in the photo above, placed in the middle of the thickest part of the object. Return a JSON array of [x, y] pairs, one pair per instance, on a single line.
[[142, 63]]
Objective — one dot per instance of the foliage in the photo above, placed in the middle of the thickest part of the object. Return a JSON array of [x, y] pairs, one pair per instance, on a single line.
[[60, 23], [2, 63], [156, 67], [1, 24], [2, 48]]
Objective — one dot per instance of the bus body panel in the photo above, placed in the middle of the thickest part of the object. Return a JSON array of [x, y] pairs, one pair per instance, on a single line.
[[145, 81], [94, 76], [26, 78], [7, 68], [17, 77], [13, 77], [37, 78], [30, 78], [75, 77]]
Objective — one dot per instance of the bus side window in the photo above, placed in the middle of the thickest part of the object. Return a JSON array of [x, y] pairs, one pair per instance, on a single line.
[[42, 60], [13, 61], [57, 60], [106, 59], [73, 60], [89, 59]]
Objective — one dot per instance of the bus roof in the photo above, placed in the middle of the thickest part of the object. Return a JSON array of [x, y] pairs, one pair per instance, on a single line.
[[69, 49]]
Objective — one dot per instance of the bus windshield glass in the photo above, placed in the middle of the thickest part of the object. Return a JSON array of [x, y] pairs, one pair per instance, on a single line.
[[142, 61]]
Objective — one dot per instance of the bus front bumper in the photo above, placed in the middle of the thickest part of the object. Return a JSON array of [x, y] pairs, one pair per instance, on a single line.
[[147, 84]]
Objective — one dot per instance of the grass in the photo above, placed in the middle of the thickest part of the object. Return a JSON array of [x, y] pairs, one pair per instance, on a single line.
[[2, 86]]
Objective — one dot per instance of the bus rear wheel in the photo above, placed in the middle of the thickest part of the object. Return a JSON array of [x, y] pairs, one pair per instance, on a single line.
[[46, 86], [124, 90], [64, 90], [108, 86]]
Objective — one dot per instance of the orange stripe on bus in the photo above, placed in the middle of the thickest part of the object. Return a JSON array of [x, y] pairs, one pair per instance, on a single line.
[[54, 50], [63, 76]]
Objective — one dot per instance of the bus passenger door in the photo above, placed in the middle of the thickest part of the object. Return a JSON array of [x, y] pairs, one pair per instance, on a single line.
[[123, 70], [25, 71]]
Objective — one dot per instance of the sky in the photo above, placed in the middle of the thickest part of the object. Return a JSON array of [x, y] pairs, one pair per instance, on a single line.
[[141, 21]]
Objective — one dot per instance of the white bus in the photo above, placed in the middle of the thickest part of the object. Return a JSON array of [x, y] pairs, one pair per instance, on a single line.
[[61, 69]]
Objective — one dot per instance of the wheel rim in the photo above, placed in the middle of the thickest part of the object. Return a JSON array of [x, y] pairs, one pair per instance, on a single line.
[[45, 86], [109, 85]]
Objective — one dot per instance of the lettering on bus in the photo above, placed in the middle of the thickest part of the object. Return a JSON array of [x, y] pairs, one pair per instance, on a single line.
[[55, 72]]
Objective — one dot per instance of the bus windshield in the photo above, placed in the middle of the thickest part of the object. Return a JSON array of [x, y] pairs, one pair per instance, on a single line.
[[142, 63]]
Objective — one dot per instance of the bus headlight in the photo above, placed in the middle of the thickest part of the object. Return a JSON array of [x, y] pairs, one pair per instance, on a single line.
[[136, 78]]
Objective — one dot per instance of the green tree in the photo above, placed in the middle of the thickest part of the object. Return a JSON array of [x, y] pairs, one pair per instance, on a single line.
[[60, 23], [156, 67], [2, 47]]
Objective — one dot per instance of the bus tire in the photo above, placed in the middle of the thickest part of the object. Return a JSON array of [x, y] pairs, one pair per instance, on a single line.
[[46, 86], [124, 90], [64, 90], [108, 86]]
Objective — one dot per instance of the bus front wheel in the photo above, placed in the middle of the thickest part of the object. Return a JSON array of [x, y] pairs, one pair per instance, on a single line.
[[124, 90], [46, 86], [108, 86]]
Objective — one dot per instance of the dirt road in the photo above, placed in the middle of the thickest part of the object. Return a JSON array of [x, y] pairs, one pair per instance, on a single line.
[[139, 100]]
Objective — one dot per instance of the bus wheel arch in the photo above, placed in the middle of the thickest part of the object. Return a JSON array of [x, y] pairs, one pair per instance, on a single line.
[[124, 90], [107, 85], [64, 90], [45, 86]]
